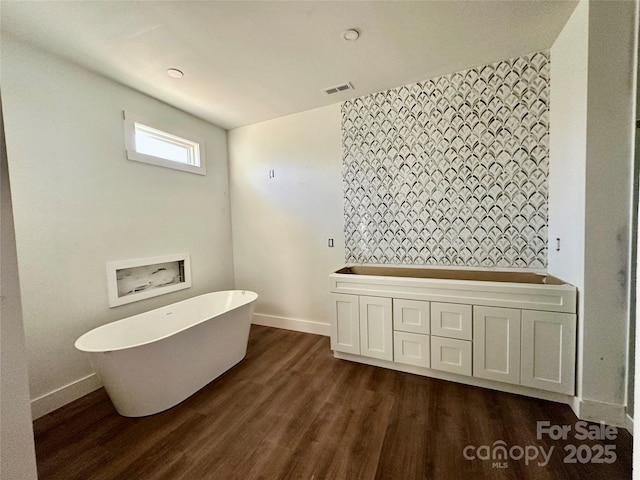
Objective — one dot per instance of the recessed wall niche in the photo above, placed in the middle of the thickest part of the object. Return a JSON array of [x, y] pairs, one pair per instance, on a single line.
[[132, 280], [452, 170]]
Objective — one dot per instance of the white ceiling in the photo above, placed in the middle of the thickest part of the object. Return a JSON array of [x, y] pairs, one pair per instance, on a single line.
[[245, 62]]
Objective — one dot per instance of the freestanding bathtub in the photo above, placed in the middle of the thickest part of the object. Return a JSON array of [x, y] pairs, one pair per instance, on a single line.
[[152, 361]]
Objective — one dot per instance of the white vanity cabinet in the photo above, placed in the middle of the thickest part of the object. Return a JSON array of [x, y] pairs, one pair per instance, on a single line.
[[451, 333], [412, 349], [345, 324], [362, 325], [376, 327], [525, 347], [451, 355], [548, 351], [484, 330], [496, 344], [411, 316], [451, 320], [411, 327]]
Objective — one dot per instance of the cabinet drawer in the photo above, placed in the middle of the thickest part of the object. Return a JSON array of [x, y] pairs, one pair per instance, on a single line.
[[411, 348], [451, 320], [411, 316], [451, 355]]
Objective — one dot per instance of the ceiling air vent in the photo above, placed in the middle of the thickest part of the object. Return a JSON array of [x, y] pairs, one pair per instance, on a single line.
[[339, 88]]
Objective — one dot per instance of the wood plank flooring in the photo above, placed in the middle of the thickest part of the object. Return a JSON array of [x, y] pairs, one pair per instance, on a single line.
[[292, 411]]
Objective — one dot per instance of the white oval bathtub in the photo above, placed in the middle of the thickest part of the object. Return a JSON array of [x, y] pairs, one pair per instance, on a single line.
[[155, 360]]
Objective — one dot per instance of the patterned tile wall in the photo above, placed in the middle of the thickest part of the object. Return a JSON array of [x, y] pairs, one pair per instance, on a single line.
[[452, 170]]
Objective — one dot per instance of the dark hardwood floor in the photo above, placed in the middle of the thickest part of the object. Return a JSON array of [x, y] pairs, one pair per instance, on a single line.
[[292, 411]]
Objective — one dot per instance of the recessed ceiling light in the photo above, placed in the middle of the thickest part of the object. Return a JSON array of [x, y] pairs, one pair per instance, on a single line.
[[351, 35], [174, 73]]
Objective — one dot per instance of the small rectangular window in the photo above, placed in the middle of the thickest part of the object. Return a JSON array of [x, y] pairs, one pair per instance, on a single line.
[[148, 143]]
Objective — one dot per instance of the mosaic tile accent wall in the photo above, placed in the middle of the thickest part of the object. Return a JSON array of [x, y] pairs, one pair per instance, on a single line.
[[452, 170]]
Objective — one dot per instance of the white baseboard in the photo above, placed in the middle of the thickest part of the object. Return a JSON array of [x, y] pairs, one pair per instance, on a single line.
[[629, 424], [51, 401], [609, 413], [306, 326]]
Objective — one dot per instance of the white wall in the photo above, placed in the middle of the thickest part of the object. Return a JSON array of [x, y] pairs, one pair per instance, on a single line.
[[567, 159], [79, 203], [281, 225], [590, 192], [609, 158], [567, 148], [17, 452]]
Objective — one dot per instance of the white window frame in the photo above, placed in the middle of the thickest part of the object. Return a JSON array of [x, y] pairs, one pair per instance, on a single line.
[[173, 135]]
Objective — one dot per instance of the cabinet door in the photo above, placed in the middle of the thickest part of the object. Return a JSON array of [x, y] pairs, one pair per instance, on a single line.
[[549, 351], [451, 320], [376, 328], [345, 325], [496, 344], [411, 316]]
